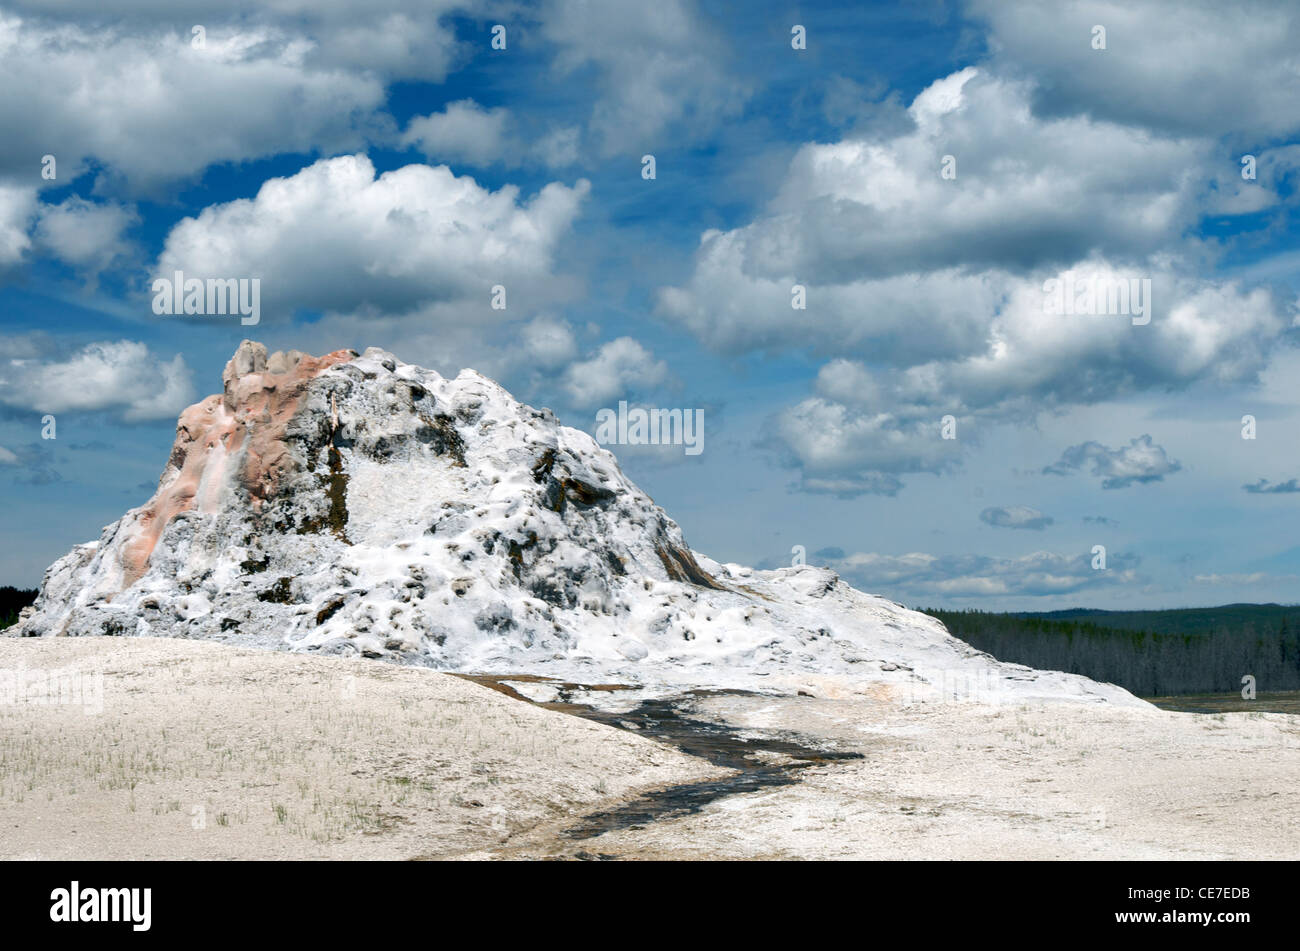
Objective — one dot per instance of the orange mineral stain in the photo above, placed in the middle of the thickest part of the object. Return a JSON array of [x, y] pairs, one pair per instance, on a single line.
[[261, 396]]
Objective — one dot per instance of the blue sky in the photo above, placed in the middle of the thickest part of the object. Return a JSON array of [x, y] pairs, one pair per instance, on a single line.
[[380, 167]]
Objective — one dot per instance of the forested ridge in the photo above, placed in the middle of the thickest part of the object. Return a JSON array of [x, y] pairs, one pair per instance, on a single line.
[[13, 600], [1150, 653]]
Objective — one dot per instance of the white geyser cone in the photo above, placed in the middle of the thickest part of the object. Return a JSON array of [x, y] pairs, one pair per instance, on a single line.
[[351, 504]]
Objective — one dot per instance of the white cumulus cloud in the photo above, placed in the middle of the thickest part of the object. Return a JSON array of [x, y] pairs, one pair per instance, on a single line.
[[122, 376], [1140, 461], [337, 238], [1015, 516], [618, 367], [85, 234]]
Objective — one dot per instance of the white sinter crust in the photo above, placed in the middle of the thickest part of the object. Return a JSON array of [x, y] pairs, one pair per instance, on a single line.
[[357, 504]]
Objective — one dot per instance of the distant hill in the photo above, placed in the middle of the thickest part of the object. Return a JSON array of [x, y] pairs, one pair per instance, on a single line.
[[1179, 620], [1151, 653]]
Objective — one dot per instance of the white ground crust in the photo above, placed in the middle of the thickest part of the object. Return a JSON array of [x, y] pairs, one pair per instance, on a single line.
[[292, 756], [972, 781], [287, 756]]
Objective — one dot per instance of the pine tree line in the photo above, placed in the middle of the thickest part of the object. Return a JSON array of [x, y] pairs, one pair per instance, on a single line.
[[1147, 663], [13, 600]]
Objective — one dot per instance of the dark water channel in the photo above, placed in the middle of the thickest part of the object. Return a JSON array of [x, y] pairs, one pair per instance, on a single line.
[[760, 762]]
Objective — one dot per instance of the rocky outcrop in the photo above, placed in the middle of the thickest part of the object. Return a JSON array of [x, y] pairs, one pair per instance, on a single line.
[[247, 423], [355, 504]]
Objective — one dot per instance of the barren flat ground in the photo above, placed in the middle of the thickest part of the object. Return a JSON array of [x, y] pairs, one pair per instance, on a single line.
[[199, 750]]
